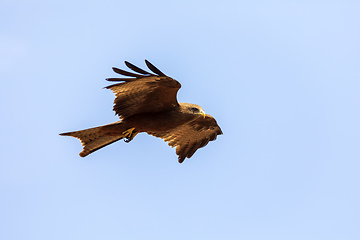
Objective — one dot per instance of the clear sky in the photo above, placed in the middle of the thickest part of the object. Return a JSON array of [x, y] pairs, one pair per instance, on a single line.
[[282, 78]]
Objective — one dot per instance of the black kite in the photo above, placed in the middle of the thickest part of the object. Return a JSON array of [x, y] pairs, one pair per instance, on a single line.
[[146, 102]]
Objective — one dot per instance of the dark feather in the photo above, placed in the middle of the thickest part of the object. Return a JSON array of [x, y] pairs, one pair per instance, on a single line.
[[125, 73], [193, 149], [154, 69], [204, 142], [120, 79], [113, 85], [137, 69]]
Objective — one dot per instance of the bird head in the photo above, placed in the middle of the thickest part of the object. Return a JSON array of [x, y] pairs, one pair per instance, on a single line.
[[193, 109]]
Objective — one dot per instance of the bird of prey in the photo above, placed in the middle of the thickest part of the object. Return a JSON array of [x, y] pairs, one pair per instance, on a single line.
[[146, 102]]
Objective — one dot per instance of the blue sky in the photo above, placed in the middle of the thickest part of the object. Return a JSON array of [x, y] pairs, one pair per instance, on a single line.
[[280, 77]]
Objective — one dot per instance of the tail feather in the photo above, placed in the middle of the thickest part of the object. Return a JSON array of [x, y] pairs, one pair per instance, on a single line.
[[93, 139]]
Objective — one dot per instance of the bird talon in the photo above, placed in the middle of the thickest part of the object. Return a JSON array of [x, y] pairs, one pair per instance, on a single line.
[[129, 135]]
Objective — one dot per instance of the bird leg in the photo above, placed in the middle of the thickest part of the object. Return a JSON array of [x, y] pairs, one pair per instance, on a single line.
[[129, 134]]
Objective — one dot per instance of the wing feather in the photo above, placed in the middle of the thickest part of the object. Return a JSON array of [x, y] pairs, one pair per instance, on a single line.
[[143, 93], [189, 137], [120, 79], [137, 69], [153, 68], [126, 73]]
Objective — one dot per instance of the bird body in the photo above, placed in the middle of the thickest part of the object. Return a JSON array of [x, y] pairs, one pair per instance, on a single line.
[[147, 103]]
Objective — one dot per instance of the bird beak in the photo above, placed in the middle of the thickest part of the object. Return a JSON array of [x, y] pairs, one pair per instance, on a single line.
[[202, 113]]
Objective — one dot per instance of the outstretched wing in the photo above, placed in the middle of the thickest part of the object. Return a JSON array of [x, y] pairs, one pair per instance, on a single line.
[[143, 91], [191, 136]]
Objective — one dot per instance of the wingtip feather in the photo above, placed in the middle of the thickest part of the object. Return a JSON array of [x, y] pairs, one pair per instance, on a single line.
[[136, 69], [154, 69]]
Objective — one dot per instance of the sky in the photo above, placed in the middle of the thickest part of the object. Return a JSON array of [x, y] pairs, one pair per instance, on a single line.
[[280, 77]]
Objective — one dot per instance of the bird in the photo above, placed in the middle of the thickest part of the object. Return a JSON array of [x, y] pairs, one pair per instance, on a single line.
[[147, 102]]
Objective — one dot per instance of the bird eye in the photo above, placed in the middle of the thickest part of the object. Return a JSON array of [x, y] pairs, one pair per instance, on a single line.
[[195, 110]]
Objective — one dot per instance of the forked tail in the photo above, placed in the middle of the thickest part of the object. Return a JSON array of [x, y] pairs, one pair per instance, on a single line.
[[95, 138]]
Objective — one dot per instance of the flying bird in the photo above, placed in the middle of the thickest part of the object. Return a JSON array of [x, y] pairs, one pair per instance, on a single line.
[[146, 102]]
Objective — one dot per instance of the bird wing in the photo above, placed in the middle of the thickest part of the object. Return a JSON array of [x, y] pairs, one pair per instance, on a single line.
[[191, 136], [143, 91]]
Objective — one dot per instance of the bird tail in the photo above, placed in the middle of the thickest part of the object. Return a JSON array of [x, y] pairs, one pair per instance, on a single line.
[[95, 138]]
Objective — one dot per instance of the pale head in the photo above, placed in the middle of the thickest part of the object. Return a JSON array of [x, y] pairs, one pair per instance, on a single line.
[[191, 108]]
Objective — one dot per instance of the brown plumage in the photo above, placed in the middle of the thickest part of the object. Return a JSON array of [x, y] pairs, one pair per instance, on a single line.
[[146, 102]]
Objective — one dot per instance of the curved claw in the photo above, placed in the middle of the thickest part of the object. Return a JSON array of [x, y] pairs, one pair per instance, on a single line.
[[129, 134]]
